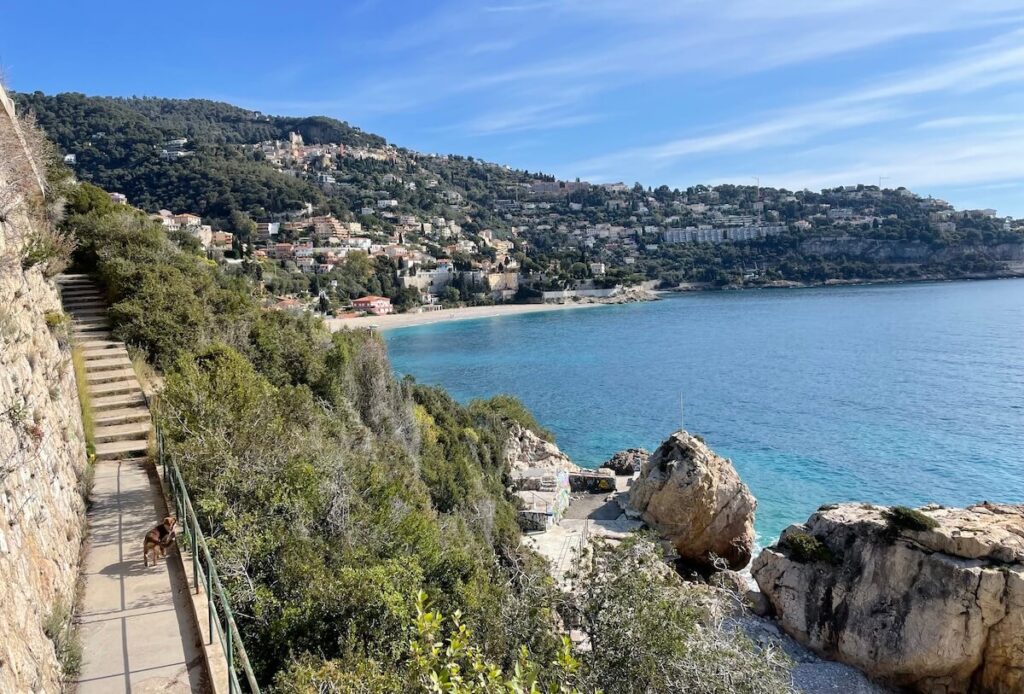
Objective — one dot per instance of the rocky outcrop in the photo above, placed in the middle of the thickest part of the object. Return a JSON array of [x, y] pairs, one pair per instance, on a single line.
[[936, 606], [695, 499], [42, 448], [627, 462], [524, 450]]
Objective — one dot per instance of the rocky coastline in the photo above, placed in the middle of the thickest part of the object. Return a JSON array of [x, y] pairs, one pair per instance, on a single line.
[[689, 287], [863, 598]]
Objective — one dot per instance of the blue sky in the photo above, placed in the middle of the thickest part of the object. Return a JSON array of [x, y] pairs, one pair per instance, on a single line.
[[800, 93]]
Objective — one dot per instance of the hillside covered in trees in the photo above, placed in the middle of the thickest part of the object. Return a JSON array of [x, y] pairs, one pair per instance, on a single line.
[[117, 144], [348, 511], [234, 167]]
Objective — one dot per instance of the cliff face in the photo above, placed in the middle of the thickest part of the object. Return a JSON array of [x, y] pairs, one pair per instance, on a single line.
[[883, 251], [937, 610], [525, 450], [42, 451]]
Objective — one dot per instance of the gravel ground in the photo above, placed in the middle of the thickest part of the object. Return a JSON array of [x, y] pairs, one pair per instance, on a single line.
[[811, 674]]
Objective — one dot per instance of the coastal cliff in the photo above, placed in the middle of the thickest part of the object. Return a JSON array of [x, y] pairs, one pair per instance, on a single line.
[[929, 600]]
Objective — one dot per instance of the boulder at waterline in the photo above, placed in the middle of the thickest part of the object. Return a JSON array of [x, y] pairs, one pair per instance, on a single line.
[[696, 500], [929, 600]]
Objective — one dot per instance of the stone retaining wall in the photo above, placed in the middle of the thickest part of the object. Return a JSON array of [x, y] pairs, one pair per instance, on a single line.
[[42, 461]]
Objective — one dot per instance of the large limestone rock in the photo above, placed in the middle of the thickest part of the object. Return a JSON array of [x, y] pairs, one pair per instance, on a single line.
[[627, 462], [524, 450], [938, 611], [695, 499]]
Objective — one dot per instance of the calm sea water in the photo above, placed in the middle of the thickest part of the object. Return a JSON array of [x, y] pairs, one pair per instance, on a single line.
[[890, 394]]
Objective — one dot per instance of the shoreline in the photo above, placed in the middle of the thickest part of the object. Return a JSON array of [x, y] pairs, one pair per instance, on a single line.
[[409, 320], [397, 321], [691, 287]]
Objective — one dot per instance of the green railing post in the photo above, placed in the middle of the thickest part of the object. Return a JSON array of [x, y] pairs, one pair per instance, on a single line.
[[231, 660], [209, 597], [195, 554]]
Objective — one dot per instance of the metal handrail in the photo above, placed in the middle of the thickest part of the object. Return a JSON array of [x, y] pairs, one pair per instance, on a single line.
[[204, 576]]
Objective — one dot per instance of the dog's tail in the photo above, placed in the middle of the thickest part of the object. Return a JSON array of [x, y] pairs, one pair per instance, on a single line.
[[145, 555]]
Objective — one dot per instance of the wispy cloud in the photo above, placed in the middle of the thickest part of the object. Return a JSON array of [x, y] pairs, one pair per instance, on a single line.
[[970, 121], [982, 159], [606, 44], [997, 63]]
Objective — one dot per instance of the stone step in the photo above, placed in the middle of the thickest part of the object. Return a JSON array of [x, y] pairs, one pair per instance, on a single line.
[[86, 324], [81, 292], [73, 302], [82, 297], [68, 276], [92, 335], [114, 388], [100, 335], [122, 432], [121, 415], [117, 402], [100, 349], [109, 363], [91, 317], [113, 450], [95, 377], [98, 310], [85, 309]]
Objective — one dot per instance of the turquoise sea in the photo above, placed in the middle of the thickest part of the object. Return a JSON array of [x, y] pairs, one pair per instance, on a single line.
[[891, 393]]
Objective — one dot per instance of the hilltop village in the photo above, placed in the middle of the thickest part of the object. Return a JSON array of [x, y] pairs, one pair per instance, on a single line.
[[443, 258], [332, 219]]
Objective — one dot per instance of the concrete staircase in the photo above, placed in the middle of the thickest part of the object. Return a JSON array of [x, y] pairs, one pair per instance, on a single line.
[[137, 623], [121, 417]]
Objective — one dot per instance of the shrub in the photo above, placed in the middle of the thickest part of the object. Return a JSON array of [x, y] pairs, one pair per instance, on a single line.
[[511, 409], [60, 325], [651, 632], [805, 548], [55, 319], [454, 664], [903, 518], [48, 248]]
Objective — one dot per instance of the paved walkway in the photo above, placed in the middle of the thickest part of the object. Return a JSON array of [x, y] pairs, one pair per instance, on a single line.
[[137, 628]]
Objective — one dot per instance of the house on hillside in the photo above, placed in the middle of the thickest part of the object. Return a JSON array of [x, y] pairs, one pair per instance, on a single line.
[[377, 305]]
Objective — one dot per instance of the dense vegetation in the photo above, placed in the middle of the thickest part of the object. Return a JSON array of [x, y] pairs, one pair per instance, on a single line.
[[118, 141], [339, 501]]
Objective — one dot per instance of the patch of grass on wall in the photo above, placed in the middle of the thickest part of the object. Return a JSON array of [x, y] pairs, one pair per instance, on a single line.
[[88, 426], [60, 629]]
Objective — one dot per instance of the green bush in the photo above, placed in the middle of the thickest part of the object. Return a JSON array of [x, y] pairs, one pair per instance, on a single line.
[[510, 409], [805, 548], [651, 632], [903, 518]]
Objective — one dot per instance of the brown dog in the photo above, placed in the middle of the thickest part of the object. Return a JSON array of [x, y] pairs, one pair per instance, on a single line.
[[158, 539]]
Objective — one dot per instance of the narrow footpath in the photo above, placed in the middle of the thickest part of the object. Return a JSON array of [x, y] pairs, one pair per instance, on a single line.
[[137, 627]]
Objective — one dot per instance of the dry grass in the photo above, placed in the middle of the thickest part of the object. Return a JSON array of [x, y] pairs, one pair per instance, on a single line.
[[88, 425], [149, 378]]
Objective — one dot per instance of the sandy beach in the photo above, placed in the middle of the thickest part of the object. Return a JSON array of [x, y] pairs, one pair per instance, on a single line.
[[407, 320]]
